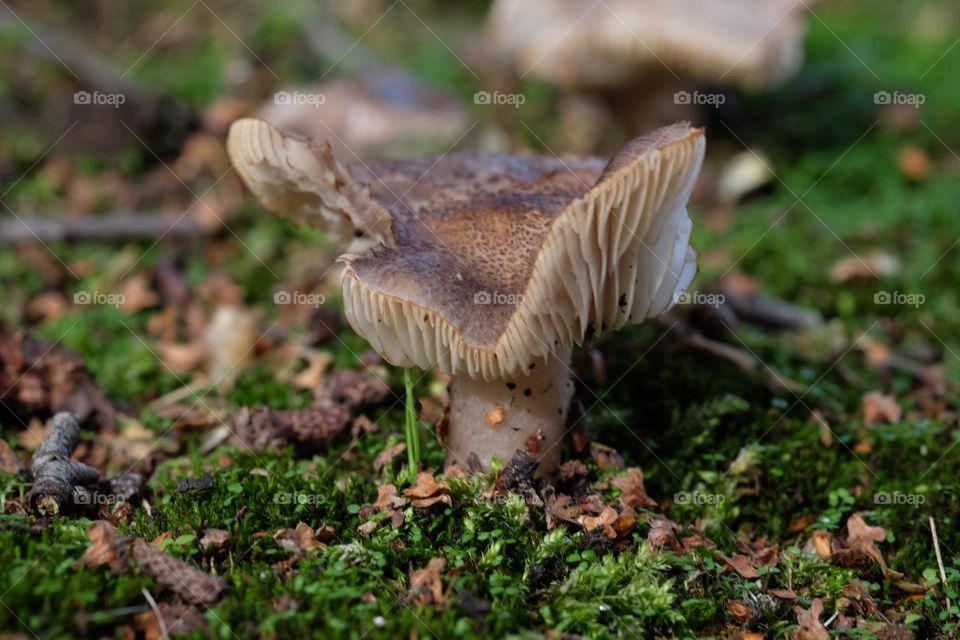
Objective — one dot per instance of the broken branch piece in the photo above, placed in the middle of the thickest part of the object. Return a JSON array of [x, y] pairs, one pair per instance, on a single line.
[[56, 476]]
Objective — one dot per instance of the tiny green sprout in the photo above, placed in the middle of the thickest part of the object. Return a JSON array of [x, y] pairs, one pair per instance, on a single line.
[[411, 425]]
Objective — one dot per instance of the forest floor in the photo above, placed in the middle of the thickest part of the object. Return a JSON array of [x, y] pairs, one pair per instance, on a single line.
[[787, 489]]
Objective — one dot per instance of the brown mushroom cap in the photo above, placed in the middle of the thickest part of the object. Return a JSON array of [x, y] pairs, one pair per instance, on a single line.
[[493, 262], [588, 43], [502, 260]]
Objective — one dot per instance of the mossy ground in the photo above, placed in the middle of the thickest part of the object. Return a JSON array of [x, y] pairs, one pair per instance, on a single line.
[[681, 418]]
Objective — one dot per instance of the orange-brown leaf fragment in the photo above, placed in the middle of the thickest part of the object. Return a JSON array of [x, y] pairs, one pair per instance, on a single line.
[[300, 540], [808, 621], [820, 543], [880, 409], [426, 585], [740, 612], [741, 564], [663, 532], [606, 518], [561, 508], [216, 538], [388, 502], [861, 539], [386, 456], [9, 462], [107, 547], [634, 494], [428, 492]]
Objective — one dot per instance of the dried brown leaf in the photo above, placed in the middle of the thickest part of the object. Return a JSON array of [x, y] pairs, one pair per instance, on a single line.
[[572, 469], [301, 540], [861, 542], [740, 612], [741, 564], [808, 621], [426, 487], [663, 532], [426, 585], [634, 494], [216, 538], [880, 409], [9, 462], [106, 547], [387, 455]]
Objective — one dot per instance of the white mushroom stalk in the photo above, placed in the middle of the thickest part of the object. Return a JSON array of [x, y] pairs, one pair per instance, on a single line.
[[493, 267]]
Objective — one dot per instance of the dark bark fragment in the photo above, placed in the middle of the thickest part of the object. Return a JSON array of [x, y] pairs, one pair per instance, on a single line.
[[189, 485], [58, 479]]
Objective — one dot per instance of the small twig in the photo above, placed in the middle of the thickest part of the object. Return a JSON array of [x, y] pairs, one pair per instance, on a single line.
[[164, 633], [117, 226], [830, 620], [55, 475], [936, 549], [744, 360]]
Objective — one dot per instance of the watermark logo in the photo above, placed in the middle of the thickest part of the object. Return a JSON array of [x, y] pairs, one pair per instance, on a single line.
[[495, 297], [299, 297], [95, 498], [699, 98], [295, 497], [497, 97], [900, 499], [899, 298], [698, 297], [299, 97], [911, 99], [99, 298], [98, 98], [698, 498]]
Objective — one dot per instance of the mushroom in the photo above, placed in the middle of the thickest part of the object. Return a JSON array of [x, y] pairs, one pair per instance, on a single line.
[[491, 266], [372, 114], [654, 46]]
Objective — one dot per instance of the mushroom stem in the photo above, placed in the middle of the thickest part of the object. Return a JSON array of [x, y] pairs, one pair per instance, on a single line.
[[494, 419], [658, 98]]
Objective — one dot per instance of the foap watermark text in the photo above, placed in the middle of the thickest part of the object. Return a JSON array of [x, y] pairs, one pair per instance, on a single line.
[[99, 298], [299, 297]]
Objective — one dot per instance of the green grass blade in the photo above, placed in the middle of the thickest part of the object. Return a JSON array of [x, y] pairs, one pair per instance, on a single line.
[[412, 427]]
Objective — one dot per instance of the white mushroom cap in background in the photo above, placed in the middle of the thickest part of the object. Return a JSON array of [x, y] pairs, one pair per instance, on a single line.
[[587, 43], [376, 113]]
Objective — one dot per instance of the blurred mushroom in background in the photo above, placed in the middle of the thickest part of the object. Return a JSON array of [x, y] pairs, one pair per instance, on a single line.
[[372, 113], [649, 56]]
